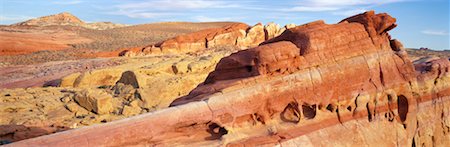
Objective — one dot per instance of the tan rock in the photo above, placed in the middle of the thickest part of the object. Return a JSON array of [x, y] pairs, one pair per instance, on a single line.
[[238, 34], [224, 39], [95, 100], [254, 36], [76, 109], [130, 110], [69, 80], [272, 30], [124, 91], [98, 78], [291, 25], [199, 65]]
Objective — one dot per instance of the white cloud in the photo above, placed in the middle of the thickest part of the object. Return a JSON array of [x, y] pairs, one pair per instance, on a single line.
[[211, 19], [142, 14], [341, 3], [349, 12], [164, 9], [335, 5], [177, 4], [67, 2], [435, 32], [310, 9], [160, 8]]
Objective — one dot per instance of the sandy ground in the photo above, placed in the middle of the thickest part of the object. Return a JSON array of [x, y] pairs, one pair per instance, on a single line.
[[16, 41], [38, 75]]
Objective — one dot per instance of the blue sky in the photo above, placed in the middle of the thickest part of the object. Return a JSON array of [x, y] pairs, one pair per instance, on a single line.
[[422, 23]]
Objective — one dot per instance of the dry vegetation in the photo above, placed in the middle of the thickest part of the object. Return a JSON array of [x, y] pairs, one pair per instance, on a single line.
[[38, 57], [417, 54]]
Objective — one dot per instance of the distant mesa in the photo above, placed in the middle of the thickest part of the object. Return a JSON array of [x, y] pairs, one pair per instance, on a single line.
[[67, 19], [64, 18]]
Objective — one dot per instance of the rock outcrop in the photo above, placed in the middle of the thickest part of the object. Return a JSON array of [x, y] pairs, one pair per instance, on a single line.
[[68, 19], [139, 85], [345, 84], [95, 100], [238, 34]]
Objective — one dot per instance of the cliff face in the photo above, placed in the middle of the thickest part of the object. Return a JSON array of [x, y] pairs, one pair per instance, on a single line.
[[238, 34], [345, 84]]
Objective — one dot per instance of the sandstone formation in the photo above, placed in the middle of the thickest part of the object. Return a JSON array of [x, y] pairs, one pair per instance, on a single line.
[[98, 94], [288, 89], [95, 100], [345, 84], [158, 80], [238, 34], [66, 18]]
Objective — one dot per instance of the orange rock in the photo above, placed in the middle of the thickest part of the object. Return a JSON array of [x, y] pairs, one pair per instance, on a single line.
[[202, 39], [299, 89], [238, 34]]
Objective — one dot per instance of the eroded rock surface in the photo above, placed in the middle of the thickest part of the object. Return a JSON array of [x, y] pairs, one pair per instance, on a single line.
[[95, 100], [238, 34], [345, 84], [99, 95]]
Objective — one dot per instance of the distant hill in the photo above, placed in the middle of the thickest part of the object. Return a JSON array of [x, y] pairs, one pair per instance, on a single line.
[[416, 54], [67, 19]]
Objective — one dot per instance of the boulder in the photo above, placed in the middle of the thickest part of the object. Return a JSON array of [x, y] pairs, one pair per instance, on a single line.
[[129, 78], [132, 109], [272, 30], [69, 81], [96, 78], [95, 100], [254, 36], [76, 109]]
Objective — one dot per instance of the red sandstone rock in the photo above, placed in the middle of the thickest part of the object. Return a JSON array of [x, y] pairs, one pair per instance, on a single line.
[[301, 88], [239, 34], [200, 40]]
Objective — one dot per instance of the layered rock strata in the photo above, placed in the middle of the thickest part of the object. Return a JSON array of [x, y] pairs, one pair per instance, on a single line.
[[238, 34], [345, 84]]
